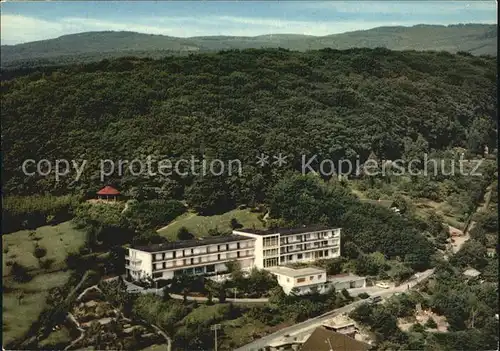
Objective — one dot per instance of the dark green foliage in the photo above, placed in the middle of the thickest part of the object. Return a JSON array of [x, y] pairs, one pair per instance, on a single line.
[[153, 214], [472, 254], [184, 234], [431, 323], [20, 273], [235, 224], [30, 212], [39, 252], [228, 105]]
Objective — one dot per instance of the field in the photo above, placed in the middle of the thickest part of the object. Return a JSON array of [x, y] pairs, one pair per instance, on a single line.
[[200, 225], [58, 240], [18, 315]]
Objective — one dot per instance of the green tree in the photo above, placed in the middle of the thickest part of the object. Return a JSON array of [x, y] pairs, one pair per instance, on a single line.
[[184, 234]]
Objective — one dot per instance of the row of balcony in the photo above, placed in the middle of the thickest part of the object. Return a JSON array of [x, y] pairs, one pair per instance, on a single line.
[[198, 261], [305, 247], [196, 252]]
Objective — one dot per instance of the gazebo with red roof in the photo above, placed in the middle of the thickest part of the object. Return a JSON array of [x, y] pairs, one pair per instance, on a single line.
[[108, 193]]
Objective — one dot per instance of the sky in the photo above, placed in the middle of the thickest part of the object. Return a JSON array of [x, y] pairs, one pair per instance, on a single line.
[[29, 21]]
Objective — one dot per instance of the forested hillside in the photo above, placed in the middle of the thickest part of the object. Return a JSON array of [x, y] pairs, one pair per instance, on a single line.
[[237, 104], [478, 39]]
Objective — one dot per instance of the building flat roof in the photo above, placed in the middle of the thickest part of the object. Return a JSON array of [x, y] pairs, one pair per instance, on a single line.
[[340, 278], [292, 272], [471, 272], [182, 244], [340, 321], [286, 231]]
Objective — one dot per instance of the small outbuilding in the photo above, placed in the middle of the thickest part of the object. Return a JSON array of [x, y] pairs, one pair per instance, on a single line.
[[108, 193]]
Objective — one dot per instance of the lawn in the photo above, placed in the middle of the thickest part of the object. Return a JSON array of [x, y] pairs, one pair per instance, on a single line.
[[241, 331], [18, 317], [58, 337], [58, 240], [425, 206], [200, 225]]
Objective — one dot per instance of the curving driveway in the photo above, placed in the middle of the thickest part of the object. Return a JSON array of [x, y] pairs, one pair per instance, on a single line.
[[302, 329]]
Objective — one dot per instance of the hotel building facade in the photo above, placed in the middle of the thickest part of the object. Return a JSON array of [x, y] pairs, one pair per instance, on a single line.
[[249, 247]]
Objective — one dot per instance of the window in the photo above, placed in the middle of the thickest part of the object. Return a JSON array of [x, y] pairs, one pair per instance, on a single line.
[[271, 262], [311, 277], [210, 268], [157, 275], [301, 280], [299, 256], [288, 280], [272, 241], [319, 276]]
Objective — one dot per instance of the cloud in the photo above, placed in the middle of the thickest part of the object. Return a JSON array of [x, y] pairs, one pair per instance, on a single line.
[[404, 8]]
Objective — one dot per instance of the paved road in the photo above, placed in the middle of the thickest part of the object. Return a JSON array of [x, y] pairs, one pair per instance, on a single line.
[[301, 329], [132, 288]]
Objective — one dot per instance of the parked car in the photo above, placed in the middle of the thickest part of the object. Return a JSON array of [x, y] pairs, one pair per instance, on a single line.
[[382, 285]]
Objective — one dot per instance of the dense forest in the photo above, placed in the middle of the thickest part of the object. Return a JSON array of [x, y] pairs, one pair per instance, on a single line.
[[237, 104]]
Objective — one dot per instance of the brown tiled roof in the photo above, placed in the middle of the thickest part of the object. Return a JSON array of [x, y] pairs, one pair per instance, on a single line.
[[325, 340]]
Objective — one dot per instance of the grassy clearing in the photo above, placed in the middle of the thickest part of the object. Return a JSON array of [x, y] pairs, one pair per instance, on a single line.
[[58, 337], [18, 317], [425, 206], [241, 331], [200, 225], [58, 240]]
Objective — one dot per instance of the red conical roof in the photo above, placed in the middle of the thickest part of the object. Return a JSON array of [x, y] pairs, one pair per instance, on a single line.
[[108, 190]]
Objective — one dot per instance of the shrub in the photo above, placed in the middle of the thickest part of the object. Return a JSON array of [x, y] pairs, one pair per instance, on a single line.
[[417, 328], [235, 224], [73, 260], [184, 234], [39, 252], [47, 263], [431, 323], [363, 295], [20, 273]]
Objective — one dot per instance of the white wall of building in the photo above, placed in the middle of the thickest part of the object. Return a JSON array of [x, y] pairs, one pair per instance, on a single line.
[[140, 264]]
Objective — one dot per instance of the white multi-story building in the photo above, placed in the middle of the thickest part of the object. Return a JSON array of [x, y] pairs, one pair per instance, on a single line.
[[276, 247], [207, 255], [249, 247]]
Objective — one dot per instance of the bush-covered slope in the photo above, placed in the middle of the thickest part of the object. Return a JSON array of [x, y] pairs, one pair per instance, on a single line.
[[238, 104]]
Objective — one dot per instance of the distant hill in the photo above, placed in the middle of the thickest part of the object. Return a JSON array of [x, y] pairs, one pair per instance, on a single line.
[[477, 39]]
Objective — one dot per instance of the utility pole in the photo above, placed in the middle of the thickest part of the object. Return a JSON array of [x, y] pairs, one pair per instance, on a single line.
[[235, 290], [330, 344], [215, 327]]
